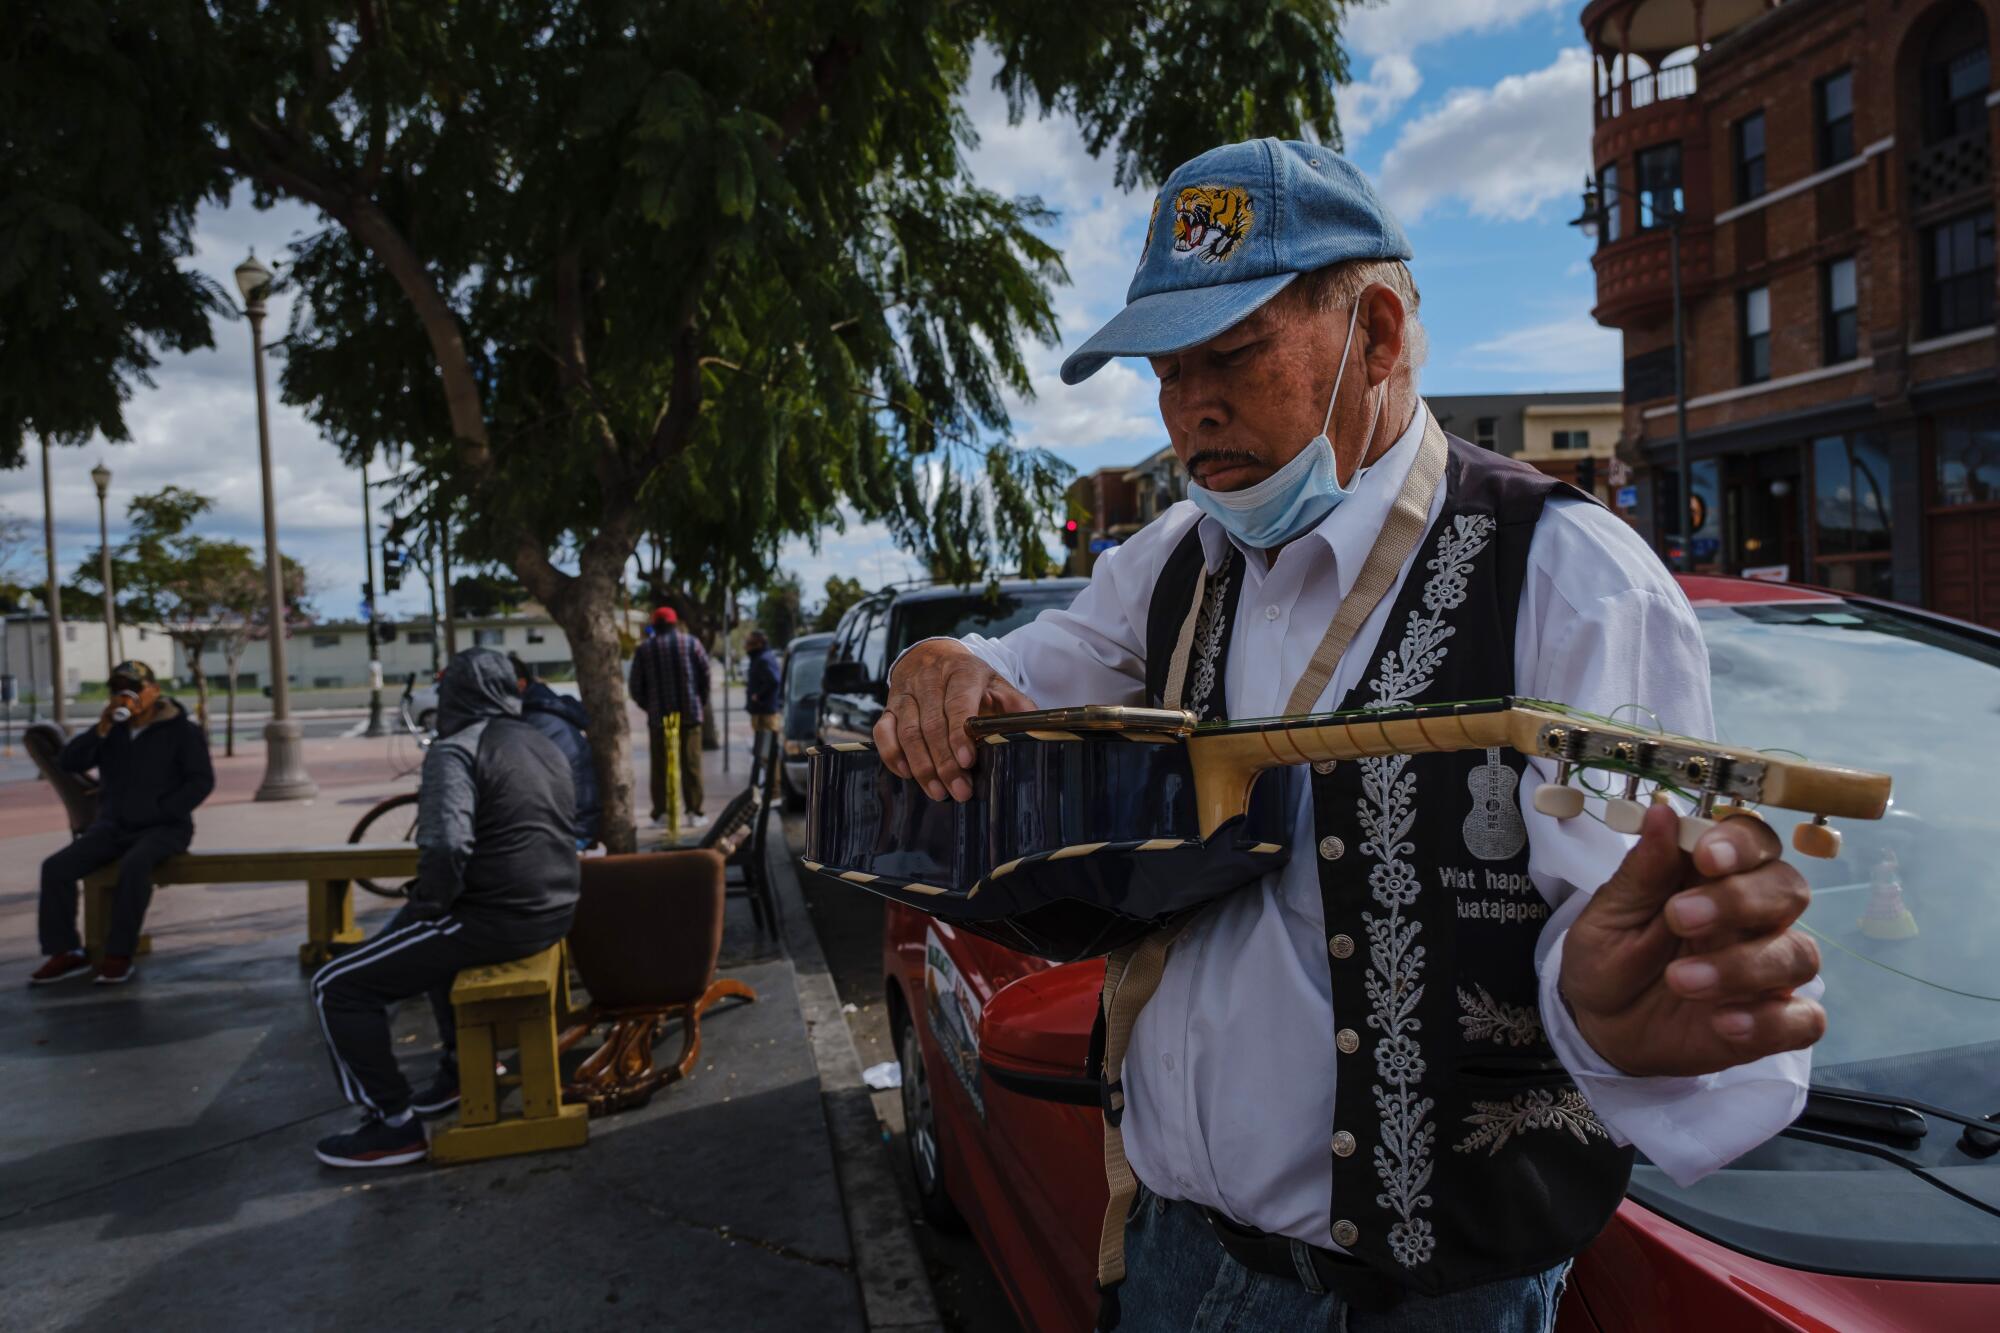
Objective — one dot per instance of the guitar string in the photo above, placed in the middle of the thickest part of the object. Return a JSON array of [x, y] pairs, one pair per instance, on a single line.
[[1908, 976]]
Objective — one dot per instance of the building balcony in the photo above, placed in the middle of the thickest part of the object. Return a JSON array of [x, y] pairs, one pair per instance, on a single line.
[[1635, 274], [1662, 85]]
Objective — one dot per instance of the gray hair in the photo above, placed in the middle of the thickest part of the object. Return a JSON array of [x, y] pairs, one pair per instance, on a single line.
[[1338, 286]]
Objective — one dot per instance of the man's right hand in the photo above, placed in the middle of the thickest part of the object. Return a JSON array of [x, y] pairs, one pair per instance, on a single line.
[[104, 720], [933, 689]]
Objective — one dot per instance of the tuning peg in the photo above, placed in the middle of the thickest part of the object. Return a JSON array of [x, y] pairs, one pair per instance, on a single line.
[[1691, 829], [1558, 801], [1818, 839], [1738, 812], [1624, 814]]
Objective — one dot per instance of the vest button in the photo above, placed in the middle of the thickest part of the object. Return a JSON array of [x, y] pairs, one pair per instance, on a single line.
[[1348, 1040], [1326, 766], [1332, 848], [1341, 946], [1343, 1144], [1345, 1233], [1270, 613]]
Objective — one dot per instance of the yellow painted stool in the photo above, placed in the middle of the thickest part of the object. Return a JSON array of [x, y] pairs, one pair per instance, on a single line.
[[510, 1004]]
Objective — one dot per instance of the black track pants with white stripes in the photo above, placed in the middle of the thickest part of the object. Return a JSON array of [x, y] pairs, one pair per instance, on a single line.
[[352, 994]]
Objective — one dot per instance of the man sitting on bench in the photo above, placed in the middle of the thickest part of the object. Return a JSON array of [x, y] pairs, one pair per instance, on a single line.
[[154, 766], [496, 880]]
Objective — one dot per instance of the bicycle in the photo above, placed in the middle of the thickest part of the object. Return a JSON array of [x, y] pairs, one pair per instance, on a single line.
[[379, 823]]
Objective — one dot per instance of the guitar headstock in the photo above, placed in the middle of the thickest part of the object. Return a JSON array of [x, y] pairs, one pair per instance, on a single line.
[[1715, 780]]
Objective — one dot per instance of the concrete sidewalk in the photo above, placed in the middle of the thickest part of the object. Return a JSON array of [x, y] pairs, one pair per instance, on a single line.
[[156, 1164]]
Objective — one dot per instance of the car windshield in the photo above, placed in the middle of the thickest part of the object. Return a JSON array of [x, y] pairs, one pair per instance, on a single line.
[[803, 670], [1908, 917], [976, 612]]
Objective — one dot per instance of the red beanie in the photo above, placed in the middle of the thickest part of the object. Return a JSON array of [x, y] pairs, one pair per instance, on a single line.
[[665, 616]]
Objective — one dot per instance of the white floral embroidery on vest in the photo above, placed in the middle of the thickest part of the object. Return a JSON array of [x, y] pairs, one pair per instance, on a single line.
[[1396, 960]]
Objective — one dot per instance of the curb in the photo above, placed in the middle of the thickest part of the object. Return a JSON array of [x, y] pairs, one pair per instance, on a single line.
[[895, 1287]]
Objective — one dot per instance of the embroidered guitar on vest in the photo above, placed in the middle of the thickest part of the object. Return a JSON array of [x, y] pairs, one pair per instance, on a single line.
[[1494, 829]]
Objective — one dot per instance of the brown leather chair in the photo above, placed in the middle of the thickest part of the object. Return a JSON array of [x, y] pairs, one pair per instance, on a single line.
[[44, 743], [647, 933]]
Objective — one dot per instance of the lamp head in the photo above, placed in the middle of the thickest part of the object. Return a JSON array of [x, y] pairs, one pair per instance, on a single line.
[[102, 476], [1592, 215], [253, 280]]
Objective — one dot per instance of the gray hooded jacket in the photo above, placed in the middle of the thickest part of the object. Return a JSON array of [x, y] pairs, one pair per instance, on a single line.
[[494, 821]]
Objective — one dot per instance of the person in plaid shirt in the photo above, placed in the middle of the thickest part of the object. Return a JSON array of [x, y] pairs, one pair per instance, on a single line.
[[670, 676]]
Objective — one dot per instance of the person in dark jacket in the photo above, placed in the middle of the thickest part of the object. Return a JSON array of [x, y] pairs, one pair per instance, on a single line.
[[564, 721], [496, 880], [762, 676], [153, 765], [670, 678]]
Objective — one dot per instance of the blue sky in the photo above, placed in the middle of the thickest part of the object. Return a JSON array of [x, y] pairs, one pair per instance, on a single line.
[[1473, 116]]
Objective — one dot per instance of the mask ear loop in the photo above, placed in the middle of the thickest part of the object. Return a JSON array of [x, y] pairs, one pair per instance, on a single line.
[[1341, 374]]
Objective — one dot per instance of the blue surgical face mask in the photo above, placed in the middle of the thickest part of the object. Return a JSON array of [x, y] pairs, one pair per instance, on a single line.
[[1298, 495]]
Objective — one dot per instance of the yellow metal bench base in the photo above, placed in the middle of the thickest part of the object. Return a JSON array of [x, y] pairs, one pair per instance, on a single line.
[[568, 1128]]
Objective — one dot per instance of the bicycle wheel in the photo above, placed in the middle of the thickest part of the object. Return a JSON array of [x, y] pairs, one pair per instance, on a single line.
[[391, 820]]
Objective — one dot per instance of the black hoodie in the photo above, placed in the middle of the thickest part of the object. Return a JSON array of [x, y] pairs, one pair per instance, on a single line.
[[495, 814], [152, 780]]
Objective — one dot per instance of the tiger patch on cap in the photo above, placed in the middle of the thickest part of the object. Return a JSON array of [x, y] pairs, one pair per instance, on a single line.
[[1210, 221]]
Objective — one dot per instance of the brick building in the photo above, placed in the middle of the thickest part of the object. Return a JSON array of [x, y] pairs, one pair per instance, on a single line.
[[1832, 163]]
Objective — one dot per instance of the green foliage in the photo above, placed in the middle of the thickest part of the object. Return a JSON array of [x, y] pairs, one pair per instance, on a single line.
[[778, 611], [486, 593], [840, 594]]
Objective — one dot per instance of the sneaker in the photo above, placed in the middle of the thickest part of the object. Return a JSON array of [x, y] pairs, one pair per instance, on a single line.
[[115, 971], [694, 819], [376, 1142], [62, 967], [439, 1097]]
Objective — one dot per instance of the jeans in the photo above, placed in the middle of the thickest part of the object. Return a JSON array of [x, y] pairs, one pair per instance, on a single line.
[[137, 851], [1179, 1279], [691, 793]]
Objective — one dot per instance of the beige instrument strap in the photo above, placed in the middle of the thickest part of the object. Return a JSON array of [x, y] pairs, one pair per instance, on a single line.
[[1132, 974], [1400, 533], [1176, 686]]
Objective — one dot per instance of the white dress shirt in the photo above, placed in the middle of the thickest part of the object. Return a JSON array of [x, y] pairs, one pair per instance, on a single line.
[[1229, 1078]]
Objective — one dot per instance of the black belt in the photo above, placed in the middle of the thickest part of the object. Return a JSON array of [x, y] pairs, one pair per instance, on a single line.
[[1345, 1276]]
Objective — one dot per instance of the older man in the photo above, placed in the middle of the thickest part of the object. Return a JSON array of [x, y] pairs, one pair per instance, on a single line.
[[1394, 1082]]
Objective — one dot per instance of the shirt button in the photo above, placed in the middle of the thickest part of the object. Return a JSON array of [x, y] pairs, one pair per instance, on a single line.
[[1270, 613], [1343, 1144], [1341, 946], [1345, 1233], [1348, 1040], [1326, 766], [1167, 1060], [1332, 848]]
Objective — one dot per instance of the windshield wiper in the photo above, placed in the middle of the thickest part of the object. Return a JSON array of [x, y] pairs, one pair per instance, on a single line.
[[1864, 1113]]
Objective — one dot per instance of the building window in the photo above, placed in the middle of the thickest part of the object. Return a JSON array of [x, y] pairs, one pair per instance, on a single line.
[[536, 636], [1659, 184], [1843, 331], [1486, 432], [1955, 77], [1968, 461], [69, 634], [1572, 439], [1750, 157], [1851, 513], [421, 637], [1754, 323], [326, 641], [1611, 202], [488, 638], [1958, 273], [328, 682], [1833, 111]]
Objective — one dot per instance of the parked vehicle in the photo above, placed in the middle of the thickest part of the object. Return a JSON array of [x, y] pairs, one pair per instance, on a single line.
[[1859, 1217], [876, 630], [805, 660]]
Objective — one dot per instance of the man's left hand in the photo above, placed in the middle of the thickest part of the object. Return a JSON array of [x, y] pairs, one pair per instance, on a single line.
[[1685, 964]]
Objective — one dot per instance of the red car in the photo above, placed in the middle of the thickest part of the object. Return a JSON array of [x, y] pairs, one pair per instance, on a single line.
[[1875, 1211]]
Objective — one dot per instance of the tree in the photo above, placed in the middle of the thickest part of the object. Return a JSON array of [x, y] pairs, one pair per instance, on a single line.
[[17, 550], [840, 594], [778, 611], [486, 593], [707, 268]]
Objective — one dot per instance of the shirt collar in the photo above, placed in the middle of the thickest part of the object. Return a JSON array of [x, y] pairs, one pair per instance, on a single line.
[[1349, 530]]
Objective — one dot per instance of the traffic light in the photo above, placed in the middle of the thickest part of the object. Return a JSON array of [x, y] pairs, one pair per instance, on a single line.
[[1070, 534], [394, 557], [1586, 475]]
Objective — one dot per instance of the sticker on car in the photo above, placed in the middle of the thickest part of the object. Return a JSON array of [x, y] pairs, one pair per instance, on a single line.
[[953, 1012]]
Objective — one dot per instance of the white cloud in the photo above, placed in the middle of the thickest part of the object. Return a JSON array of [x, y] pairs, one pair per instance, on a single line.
[[1502, 151], [1574, 348], [859, 550], [1392, 80]]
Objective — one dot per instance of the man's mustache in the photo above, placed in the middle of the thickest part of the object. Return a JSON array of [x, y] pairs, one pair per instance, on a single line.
[[1200, 462]]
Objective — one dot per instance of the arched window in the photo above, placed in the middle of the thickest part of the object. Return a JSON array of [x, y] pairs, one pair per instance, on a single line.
[[1955, 75]]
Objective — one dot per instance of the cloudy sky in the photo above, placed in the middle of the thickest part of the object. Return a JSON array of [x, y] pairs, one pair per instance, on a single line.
[[1473, 116]]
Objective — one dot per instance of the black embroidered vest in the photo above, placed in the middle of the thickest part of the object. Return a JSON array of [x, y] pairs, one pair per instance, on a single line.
[[1462, 1152]]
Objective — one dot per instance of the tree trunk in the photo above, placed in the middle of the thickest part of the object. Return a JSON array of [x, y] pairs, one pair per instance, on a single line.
[[200, 688], [229, 728], [587, 609]]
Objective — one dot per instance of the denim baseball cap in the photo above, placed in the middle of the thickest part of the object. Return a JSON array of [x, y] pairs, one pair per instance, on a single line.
[[1230, 230]]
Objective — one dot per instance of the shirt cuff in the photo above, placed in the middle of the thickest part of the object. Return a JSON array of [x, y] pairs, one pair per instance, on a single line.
[[1688, 1127]]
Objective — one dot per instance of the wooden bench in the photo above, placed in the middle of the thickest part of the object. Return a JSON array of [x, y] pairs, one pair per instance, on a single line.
[[326, 871], [511, 1005]]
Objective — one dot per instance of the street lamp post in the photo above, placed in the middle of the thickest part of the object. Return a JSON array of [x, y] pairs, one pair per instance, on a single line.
[[285, 776], [53, 597], [112, 656], [1588, 221], [375, 727]]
